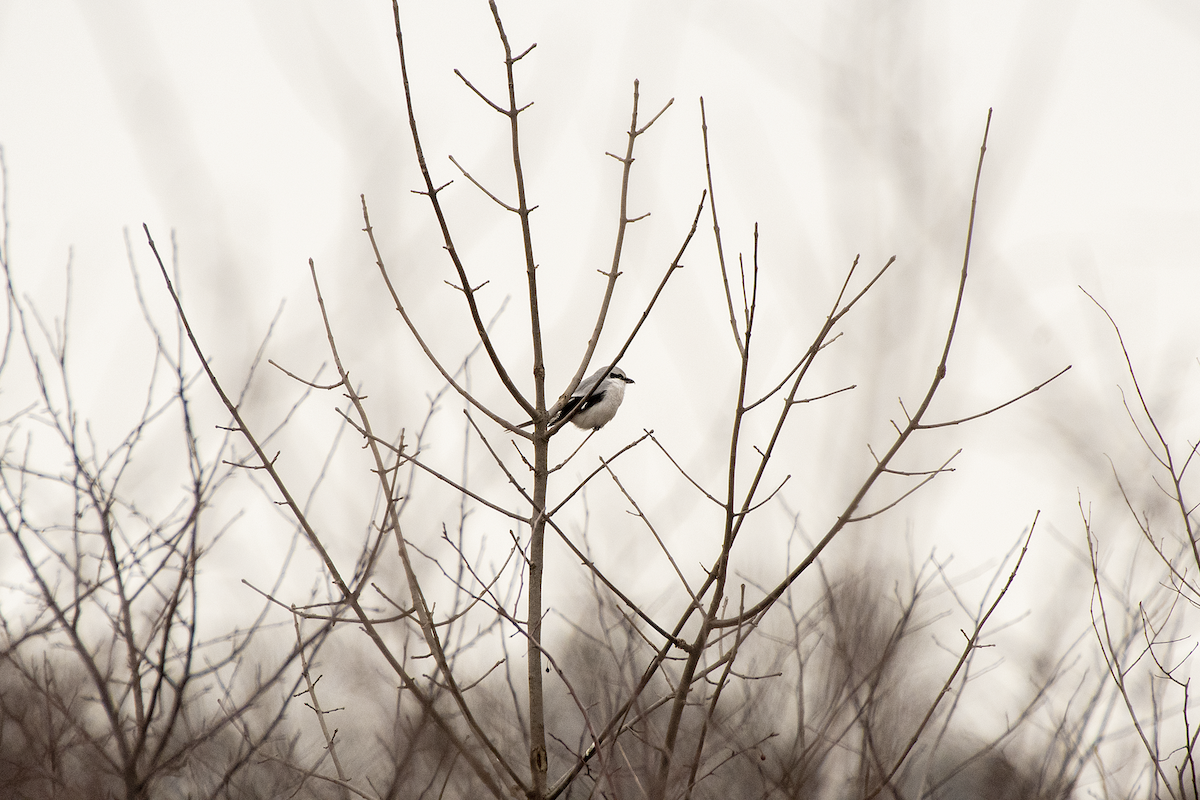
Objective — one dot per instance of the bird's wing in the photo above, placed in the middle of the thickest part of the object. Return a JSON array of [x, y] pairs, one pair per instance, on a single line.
[[592, 399], [579, 402]]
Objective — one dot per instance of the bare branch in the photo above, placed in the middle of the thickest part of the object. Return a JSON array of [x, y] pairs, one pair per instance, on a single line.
[[480, 328], [649, 525], [418, 693], [482, 188], [903, 435], [614, 269], [1166, 459], [421, 341], [994, 409]]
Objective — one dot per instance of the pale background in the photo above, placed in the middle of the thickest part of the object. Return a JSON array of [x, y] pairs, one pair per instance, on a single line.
[[250, 129]]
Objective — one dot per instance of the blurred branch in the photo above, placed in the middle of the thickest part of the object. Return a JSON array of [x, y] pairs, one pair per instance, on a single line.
[[1166, 459], [315, 705], [968, 649], [1110, 652], [712, 193]]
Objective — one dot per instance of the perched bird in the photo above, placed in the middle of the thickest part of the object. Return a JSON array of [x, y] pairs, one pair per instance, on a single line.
[[597, 399]]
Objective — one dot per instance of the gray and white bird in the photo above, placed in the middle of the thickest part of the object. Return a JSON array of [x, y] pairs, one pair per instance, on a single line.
[[597, 399]]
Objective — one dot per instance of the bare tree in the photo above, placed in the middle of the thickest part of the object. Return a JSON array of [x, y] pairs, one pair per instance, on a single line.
[[680, 669], [113, 684], [673, 700]]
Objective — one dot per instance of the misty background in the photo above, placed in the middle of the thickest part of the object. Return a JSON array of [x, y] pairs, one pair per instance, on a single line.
[[248, 131]]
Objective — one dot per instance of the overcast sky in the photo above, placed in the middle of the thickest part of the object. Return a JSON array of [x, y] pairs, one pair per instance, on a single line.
[[251, 128]]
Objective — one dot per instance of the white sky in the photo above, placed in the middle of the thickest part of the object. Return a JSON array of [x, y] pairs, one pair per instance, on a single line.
[[251, 128]]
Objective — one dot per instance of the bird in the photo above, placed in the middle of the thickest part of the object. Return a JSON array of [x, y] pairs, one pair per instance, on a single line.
[[597, 399]]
